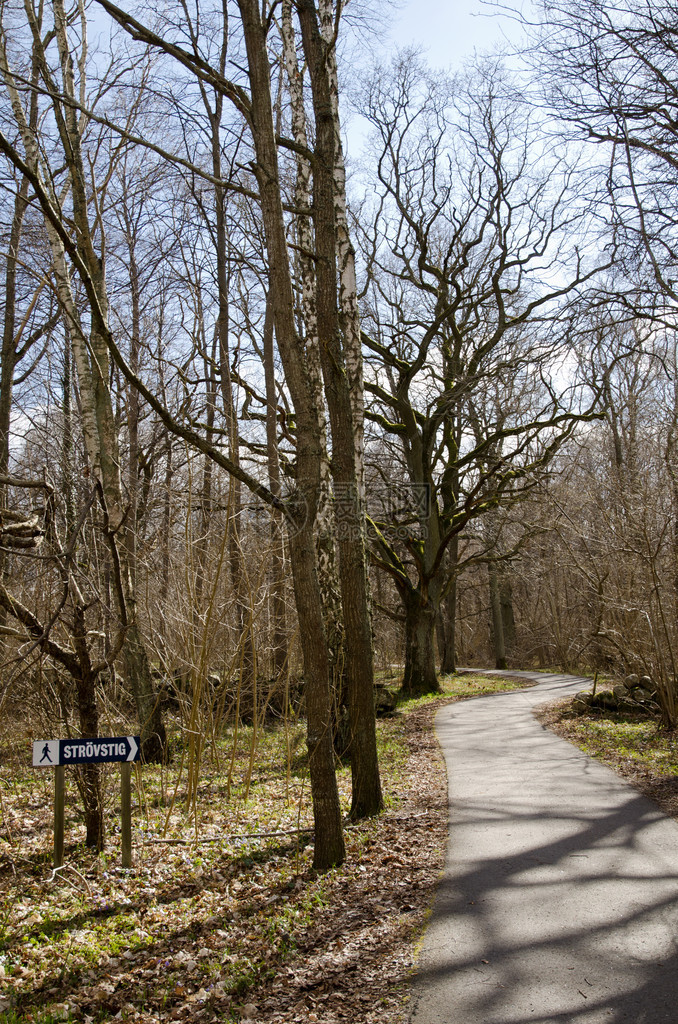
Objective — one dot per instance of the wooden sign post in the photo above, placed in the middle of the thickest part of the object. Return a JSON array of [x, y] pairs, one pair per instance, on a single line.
[[59, 813], [101, 750], [126, 812]]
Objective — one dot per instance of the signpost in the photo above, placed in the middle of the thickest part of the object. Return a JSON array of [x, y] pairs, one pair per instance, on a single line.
[[101, 750], [50, 753]]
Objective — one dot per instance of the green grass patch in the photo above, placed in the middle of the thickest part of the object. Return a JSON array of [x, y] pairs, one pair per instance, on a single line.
[[462, 686], [59, 1016], [613, 737]]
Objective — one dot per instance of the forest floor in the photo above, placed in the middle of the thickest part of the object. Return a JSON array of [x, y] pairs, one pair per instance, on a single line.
[[222, 917], [633, 745]]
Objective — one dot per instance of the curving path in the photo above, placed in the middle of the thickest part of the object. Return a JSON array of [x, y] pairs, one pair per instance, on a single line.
[[559, 899]]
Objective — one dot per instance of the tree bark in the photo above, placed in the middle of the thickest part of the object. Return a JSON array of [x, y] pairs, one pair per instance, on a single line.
[[325, 533], [329, 840], [88, 715], [446, 631], [279, 653], [420, 669], [366, 784], [497, 619], [507, 615]]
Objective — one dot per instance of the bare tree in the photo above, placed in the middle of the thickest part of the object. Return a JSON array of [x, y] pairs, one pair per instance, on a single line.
[[608, 74], [57, 620], [604, 596], [330, 231], [462, 320], [91, 355]]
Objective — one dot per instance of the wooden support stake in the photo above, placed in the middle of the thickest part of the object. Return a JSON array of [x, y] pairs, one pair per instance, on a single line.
[[126, 812], [59, 809]]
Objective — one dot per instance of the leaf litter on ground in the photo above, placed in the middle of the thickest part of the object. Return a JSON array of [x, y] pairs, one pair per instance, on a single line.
[[222, 917]]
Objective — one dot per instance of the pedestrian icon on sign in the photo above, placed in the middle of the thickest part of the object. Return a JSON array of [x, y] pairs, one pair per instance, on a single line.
[[45, 754]]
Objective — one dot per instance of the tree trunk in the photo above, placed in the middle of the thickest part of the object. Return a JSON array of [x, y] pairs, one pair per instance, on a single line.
[[138, 672], [235, 555], [325, 532], [446, 631], [9, 353], [89, 775], [165, 541], [497, 620], [329, 842], [366, 784], [329, 839], [507, 615], [420, 668], [133, 410], [277, 566]]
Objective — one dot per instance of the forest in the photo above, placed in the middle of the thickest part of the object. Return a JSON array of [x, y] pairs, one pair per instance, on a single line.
[[295, 419]]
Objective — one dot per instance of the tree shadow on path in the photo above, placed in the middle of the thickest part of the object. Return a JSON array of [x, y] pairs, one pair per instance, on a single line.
[[558, 902]]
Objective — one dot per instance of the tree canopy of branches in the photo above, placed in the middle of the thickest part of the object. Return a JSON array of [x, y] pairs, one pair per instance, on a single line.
[[469, 269], [241, 391], [608, 70]]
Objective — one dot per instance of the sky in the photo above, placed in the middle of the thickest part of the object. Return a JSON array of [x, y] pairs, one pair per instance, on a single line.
[[449, 30]]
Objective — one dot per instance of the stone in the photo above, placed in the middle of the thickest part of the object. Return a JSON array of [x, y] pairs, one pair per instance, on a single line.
[[606, 700], [384, 701], [631, 681]]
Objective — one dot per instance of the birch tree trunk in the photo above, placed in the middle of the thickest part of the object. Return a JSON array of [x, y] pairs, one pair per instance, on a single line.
[[279, 652], [349, 313]]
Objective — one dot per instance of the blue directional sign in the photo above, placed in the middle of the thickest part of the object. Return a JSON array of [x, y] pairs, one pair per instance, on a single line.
[[50, 753]]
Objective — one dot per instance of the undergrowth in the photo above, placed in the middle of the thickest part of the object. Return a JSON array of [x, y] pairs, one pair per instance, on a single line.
[[222, 905]]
